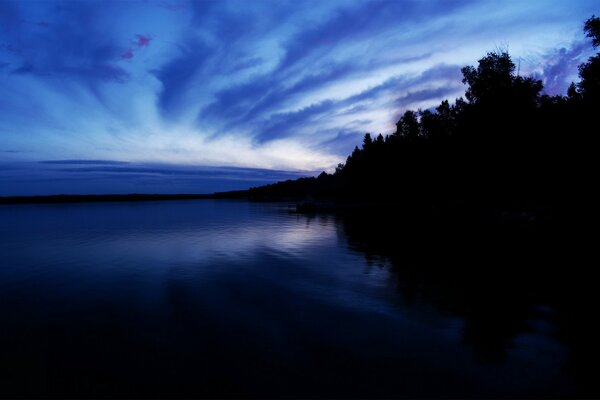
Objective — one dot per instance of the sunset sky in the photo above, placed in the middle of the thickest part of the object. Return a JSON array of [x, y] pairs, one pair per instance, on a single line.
[[169, 96]]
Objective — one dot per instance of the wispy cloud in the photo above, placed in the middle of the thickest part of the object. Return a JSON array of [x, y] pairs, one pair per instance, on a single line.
[[84, 162], [275, 85], [560, 66], [127, 54]]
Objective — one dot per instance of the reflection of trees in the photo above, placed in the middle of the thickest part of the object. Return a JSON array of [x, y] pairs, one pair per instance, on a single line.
[[494, 275], [488, 275]]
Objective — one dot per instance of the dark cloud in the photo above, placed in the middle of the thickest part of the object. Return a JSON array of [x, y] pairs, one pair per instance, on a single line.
[[127, 54], [72, 45], [233, 104], [92, 74], [206, 172], [21, 178], [426, 94], [84, 162], [344, 24], [9, 15], [283, 124], [361, 22], [177, 74], [255, 103], [252, 102], [233, 30], [447, 73], [246, 103], [342, 141], [279, 93]]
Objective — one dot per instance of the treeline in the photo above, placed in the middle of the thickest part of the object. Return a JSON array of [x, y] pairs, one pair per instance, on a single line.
[[504, 145]]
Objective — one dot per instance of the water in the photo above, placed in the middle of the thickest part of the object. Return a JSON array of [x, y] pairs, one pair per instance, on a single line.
[[225, 298]]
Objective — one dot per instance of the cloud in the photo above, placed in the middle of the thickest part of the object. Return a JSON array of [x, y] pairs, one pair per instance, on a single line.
[[84, 162], [72, 45], [362, 22], [127, 54], [232, 173], [277, 103], [142, 40], [561, 64], [22, 178], [173, 5], [262, 84], [177, 75], [412, 99], [443, 76], [258, 104]]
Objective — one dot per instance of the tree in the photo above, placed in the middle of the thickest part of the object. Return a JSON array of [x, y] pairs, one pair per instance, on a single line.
[[492, 76], [408, 125], [494, 82], [592, 30], [367, 141], [589, 86]]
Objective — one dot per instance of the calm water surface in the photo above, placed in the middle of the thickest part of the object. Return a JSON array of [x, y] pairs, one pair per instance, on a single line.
[[220, 298]]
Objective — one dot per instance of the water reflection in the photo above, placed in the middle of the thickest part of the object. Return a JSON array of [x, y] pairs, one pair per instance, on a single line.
[[518, 288], [203, 298]]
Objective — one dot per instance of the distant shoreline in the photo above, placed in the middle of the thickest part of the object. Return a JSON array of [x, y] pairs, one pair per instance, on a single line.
[[93, 198]]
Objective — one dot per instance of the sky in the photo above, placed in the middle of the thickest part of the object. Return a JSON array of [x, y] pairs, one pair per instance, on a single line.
[[175, 96]]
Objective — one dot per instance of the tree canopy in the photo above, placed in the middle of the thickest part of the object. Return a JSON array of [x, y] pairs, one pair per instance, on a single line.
[[505, 145]]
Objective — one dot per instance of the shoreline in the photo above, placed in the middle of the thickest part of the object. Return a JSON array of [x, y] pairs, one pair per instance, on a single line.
[[96, 198]]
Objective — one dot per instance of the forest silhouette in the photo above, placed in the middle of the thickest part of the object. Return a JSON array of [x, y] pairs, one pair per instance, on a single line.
[[482, 207], [504, 147]]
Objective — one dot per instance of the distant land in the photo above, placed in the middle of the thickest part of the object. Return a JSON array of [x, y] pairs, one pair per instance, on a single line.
[[94, 198], [85, 198]]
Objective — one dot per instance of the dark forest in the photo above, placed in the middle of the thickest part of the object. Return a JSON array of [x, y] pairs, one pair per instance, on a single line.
[[504, 148]]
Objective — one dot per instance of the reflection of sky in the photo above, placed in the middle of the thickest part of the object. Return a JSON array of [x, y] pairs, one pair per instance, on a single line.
[[252, 84], [285, 237], [287, 286]]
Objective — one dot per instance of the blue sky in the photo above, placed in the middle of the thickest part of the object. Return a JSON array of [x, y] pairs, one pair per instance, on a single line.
[[177, 96]]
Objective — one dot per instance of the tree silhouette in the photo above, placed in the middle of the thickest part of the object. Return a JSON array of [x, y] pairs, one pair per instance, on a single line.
[[492, 78], [589, 86], [408, 126], [592, 30], [367, 141], [503, 146]]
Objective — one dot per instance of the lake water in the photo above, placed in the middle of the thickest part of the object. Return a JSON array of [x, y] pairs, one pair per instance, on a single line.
[[227, 298]]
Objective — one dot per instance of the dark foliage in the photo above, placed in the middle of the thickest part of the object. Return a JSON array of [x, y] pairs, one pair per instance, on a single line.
[[483, 206], [504, 147]]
